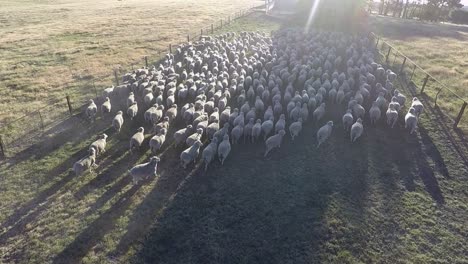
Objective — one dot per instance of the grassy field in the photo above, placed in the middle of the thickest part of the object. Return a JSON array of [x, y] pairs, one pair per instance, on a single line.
[[389, 198], [440, 49], [52, 48]]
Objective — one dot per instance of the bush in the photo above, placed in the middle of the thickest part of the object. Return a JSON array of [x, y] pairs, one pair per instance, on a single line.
[[459, 16]]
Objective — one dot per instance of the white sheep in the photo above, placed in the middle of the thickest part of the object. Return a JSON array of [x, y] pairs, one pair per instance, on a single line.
[[374, 113], [214, 117], [392, 115], [194, 137], [158, 140], [100, 144], [137, 139], [267, 127], [130, 99], [400, 97], [85, 163], [356, 130], [274, 141], [348, 119], [411, 120], [132, 111], [209, 153], [163, 124], [280, 124], [319, 113], [223, 149], [190, 154], [91, 110], [256, 130], [418, 106], [171, 113], [248, 129], [295, 128], [236, 133], [182, 134], [148, 99], [106, 106], [118, 121], [144, 171], [324, 133]]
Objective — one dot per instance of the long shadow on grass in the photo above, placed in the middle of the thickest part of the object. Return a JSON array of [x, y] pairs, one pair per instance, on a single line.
[[252, 209]]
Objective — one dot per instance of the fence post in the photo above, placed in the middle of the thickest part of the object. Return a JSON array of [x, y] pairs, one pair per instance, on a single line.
[[188, 38], [212, 28], [403, 65], [42, 120], [388, 54], [116, 78], [412, 74], [70, 109], [2, 148], [457, 120], [95, 90], [170, 48], [377, 43], [424, 84], [146, 61]]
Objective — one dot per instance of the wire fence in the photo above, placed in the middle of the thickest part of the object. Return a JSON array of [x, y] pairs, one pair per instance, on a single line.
[[422, 83], [25, 131]]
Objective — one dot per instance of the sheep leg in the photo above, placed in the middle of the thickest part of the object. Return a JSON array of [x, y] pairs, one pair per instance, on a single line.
[[267, 151]]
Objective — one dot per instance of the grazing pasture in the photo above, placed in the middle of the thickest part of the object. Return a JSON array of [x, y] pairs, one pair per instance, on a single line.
[[439, 48], [388, 197], [52, 48]]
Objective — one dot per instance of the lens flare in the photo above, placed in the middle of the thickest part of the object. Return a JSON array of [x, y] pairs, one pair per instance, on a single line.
[[313, 11]]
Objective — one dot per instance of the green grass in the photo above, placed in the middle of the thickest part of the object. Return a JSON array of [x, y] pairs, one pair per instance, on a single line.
[[389, 197], [440, 49]]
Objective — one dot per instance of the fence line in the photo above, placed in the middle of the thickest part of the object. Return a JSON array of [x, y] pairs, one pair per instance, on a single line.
[[413, 73], [17, 134]]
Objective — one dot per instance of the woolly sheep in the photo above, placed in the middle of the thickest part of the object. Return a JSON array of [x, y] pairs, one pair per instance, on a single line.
[[392, 115], [209, 153], [171, 113], [411, 120], [417, 105], [224, 116], [194, 137], [256, 130], [248, 129], [85, 163], [132, 110], [223, 149], [182, 134], [106, 106], [274, 141], [267, 127], [137, 139], [158, 140], [348, 120], [163, 124], [356, 130], [118, 121], [400, 97], [374, 113], [144, 171], [91, 110], [236, 133], [324, 133], [280, 124], [211, 129], [100, 144], [130, 99], [295, 128], [319, 113], [190, 154]]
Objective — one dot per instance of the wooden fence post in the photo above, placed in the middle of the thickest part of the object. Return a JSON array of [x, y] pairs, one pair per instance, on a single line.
[[412, 73], [170, 48], [437, 96], [2, 148], [403, 65], [188, 38], [116, 78], [424, 84], [388, 54], [457, 120], [95, 90], [70, 109], [377, 43], [146, 61]]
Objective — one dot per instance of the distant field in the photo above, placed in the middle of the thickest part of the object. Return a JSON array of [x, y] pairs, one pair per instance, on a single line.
[[52, 48], [440, 49]]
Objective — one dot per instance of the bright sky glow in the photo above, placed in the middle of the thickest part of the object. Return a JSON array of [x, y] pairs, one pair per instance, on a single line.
[[313, 11]]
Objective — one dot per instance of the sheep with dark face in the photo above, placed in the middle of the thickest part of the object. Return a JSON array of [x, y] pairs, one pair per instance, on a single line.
[[144, 171]]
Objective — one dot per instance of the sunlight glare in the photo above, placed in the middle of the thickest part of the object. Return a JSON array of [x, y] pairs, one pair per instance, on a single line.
[[313, 11]]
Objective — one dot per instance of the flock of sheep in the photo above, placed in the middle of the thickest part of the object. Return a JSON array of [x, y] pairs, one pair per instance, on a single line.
[[248, 87]]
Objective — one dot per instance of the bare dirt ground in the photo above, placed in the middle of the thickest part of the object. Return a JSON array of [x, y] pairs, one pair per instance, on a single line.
[[52, 48]]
